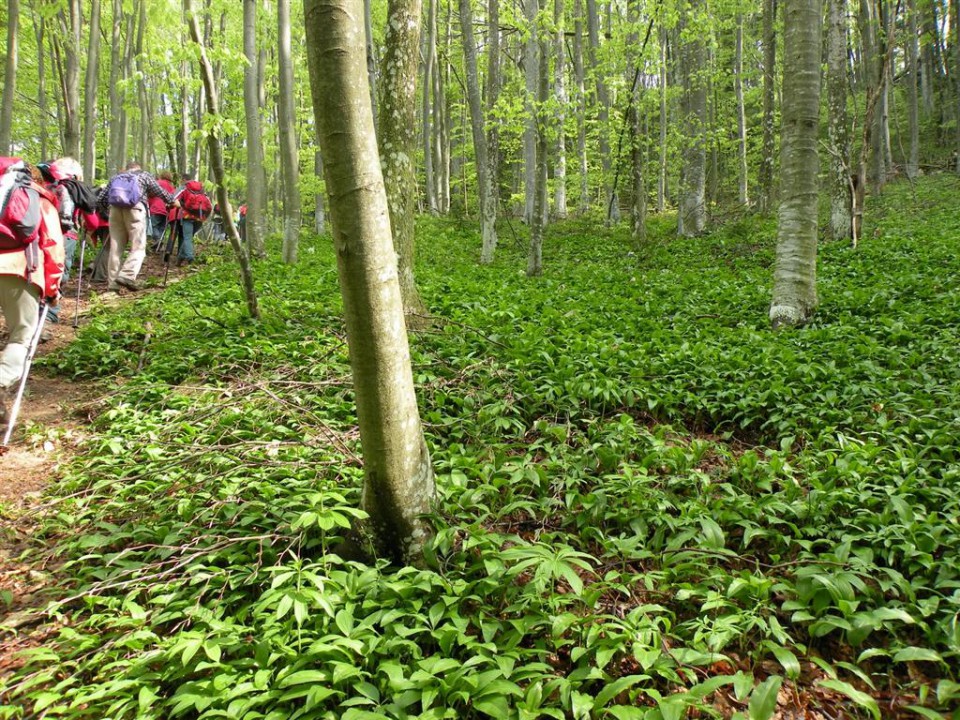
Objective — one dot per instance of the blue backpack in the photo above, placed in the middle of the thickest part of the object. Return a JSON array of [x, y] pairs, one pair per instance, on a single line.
[[125, 191]]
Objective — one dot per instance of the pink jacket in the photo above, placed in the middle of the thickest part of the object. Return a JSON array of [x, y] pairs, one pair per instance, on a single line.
[[46, 276]]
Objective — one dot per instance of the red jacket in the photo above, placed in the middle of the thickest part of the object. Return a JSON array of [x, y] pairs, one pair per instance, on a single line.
[[49, 269], [157, 205]]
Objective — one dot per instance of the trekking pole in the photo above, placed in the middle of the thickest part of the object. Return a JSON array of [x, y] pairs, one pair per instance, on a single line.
[[170, 243], [83, 247], [31, 351]]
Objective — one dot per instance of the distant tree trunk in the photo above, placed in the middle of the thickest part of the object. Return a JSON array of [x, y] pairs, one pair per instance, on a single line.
[[579, 74], [216, 166], [531, 72], [319, 208], [956, 77], [765, 177], [692, 214], [488, 207], [91, 82], [560, 90], [398, 139], [612, 206], [70, 28], [429, 56], [398, 488], [539, 215], [928, 64], [289, 159], [795, 275], [116, 101], [183, 136], [256, 187], [841, 199], [913, 105], [741, 114], [638, 209], [10, 75], [494, 81], [875, 75], [664, 119], [39, 29]]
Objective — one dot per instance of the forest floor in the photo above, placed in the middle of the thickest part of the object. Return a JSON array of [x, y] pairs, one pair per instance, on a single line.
[[52, 423]]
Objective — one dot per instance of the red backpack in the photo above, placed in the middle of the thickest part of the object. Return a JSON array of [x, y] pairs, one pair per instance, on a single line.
[[19, 205], [195, 201]]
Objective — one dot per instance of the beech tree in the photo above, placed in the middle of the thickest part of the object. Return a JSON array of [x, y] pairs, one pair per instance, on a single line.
[[9, 75], [289, 159], [255, 185], [795, 273], [398, 483]]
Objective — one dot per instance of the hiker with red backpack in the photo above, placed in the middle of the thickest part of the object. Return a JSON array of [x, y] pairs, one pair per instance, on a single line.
[[31, 265], [158, 211], [126, 194], [195, 209]]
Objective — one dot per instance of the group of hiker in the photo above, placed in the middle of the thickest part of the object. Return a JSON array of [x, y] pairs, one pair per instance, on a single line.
[[44, 208]]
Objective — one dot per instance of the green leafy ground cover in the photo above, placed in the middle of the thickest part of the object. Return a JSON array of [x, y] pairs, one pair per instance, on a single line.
[[651, 506]]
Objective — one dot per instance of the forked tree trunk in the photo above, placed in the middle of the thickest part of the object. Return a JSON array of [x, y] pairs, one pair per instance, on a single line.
[[216, 166], [795, 274], [488, 206], [256, 187], [398, 139], [289, 160], [398, 487]]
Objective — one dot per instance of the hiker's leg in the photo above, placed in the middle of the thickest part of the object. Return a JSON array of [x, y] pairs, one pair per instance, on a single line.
[[137, 232], [118, 243], [21, 310], [186, 244]]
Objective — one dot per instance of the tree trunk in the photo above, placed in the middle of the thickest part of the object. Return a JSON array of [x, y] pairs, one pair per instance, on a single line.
[[39, 28], [371, 60], [874, 74], [398, 486], [319, 208], [692, 212], [612, 207], [531, 72], [664, 119], [913, 109], [539, 215], [289, 160], [795, 273], [741, 114], [956, 77], [398, 139], [638, 207], [494, 82], [488, 207], [560, 90], [90, 85], [841, 198], [70, 28], [579, 74], [116, 102], [765, 190], [429, 68], [256, 187], [9, 76], [216, 166]]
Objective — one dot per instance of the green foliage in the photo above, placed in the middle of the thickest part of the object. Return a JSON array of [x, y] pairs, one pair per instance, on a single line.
[[650, 504]]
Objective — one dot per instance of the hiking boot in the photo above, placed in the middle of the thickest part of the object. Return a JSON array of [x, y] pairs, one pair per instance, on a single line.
[[46, 336], [129, 284]]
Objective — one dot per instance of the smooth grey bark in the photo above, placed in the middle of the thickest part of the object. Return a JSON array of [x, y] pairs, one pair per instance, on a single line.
[[692, 211], [70, 28], [927, 58], [875, 75], [493, 84], [838, 128], [560, 91], [580, 79], [398, 139], [429, 67], [39, 29], [183, 130], [612, 207], [795, 275], [116, 101], [289, 158], [10, 75], [743, 172], [531, 72], [538, 219], [765, 188], [90, 85], [956, 77], [371, 60], [913, 109], [216, 165], [488, 205], [638, 206], [398, 487], [256, 187], [664, 119]]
